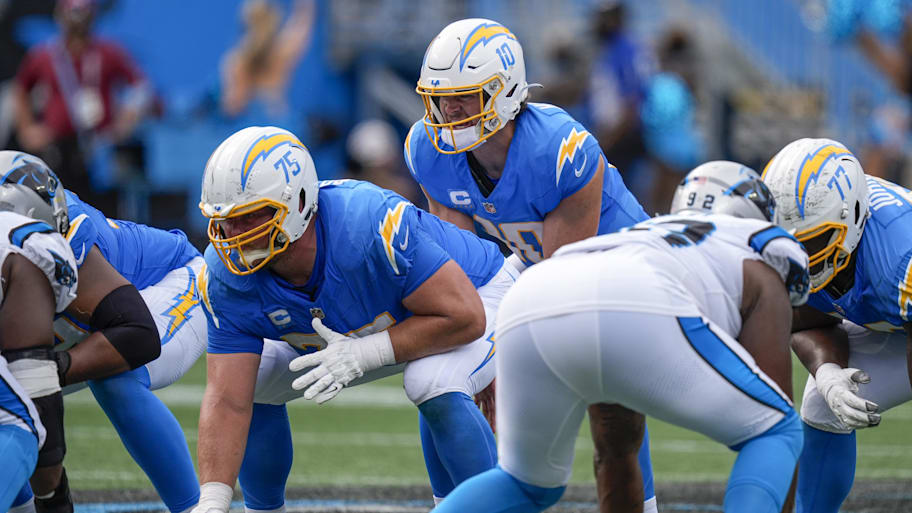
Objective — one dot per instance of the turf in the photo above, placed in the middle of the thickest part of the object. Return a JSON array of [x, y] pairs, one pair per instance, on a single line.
[[368, 436]]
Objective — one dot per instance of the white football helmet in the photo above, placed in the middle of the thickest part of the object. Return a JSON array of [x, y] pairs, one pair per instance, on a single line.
[[724, 187], [29, 187], [472, 57], [822, 197], [255, 168]]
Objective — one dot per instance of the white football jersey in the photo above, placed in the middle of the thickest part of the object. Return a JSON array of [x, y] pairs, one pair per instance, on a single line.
[[44, 247], [702, 256]]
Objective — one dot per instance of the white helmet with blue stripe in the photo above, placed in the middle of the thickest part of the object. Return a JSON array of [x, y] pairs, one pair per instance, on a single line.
[[259, 167], [477, 57], [822, 196]]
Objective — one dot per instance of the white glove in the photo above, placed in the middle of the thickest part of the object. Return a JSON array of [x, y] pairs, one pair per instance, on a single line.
[[839, 387], [343, 359], [215, 497]]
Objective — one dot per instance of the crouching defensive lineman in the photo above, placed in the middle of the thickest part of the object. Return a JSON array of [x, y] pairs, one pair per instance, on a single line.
[[684, 318], [120, 341], [38, 279]]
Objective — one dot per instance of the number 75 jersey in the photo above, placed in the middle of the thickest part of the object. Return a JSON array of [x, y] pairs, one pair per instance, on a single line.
[[551, 157]]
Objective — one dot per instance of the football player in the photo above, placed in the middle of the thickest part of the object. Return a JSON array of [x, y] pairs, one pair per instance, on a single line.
[[853, 335], [122, 341], [680, 317], [38, 279], [366, 282], [526, 174]]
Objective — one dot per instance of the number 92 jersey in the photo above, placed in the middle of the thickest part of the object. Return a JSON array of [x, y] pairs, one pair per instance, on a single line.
[[881, 297], [44, 247], [551, 156], [698, 260], [374, 248]]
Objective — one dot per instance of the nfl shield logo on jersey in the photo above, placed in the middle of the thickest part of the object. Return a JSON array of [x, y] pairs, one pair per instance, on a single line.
[[489, 207], [317, 312]]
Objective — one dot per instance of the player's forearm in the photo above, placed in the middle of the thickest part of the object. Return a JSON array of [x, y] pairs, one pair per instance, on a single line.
[[223, 428], [817, 346], [94, 358], [424, 335]]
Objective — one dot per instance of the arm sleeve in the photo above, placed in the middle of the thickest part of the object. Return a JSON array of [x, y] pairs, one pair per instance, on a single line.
[[82, 234], [225, 336], [407, 256], [904, 289], [409, 148], [576, 156]]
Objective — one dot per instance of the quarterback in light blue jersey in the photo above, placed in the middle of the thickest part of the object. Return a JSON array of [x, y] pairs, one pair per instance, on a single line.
[[853, 334], [364, 286], [526, 174]]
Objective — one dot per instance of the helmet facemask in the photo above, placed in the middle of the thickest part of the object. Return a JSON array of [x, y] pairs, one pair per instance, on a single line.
[[231, 250], [825, 246], [484, 124]]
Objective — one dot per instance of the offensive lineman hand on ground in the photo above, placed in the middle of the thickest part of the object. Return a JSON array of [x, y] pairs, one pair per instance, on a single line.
[[839, 387], [344, 359], [485, 402], [215, 497]]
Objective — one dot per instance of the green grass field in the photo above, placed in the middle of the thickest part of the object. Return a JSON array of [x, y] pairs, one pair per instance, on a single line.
[[369, 435]]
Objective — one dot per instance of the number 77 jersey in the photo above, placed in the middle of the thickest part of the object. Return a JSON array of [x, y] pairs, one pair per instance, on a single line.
[[551, 157]]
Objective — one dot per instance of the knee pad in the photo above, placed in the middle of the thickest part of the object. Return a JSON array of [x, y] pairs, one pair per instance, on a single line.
[[61, 501], [36, 370]]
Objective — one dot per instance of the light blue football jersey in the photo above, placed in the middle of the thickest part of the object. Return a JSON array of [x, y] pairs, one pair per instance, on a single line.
[[551, 156], [374, 248], [881, 297], [141, 254]]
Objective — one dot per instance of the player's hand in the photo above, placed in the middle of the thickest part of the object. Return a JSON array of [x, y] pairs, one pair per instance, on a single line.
[[344, 359], [840, 387], [485, 402], [215, 497]]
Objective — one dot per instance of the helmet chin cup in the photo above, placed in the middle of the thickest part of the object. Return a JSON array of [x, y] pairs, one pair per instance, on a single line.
[[462, 137]]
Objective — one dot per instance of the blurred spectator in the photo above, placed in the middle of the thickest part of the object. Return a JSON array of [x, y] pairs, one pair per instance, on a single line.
[[68, 105], [616, 87], [375, 155], [667, 115], [255, 73], [883, 31], [567, 68]]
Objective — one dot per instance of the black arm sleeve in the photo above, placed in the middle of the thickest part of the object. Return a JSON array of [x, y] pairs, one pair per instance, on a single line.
[[124, 319]]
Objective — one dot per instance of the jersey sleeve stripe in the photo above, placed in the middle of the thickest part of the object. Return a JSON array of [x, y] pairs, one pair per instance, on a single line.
[[759, 240], [74, 226], [21, 233]]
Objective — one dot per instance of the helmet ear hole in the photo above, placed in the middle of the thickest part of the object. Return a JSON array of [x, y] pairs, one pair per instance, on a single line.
[[301, 200], [857, 212], [513, 90]]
